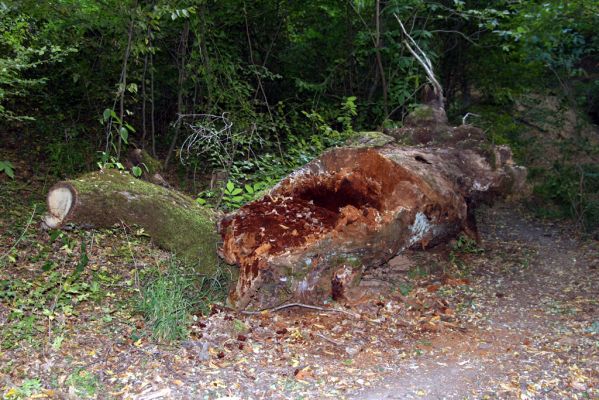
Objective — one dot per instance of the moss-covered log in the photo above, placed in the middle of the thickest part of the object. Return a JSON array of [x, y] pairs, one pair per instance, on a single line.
[[356, 207], [105, 198]]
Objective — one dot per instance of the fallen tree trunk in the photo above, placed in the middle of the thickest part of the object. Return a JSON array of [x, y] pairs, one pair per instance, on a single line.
[[320, 227], [105, 198]]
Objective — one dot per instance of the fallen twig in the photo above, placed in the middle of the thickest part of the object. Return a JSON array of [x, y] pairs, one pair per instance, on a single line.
[[284, 306], [320, 335]]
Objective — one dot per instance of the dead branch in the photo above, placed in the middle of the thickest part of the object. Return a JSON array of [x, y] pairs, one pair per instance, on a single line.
[[423, 59]]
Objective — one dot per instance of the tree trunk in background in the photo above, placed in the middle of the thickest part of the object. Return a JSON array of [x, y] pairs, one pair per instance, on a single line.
[[152, 116], [182, 77], [123, 87], [379, 58], [143, 104], [205, 56]]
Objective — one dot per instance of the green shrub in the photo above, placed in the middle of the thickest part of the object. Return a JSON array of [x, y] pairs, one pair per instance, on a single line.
[[569, 191]]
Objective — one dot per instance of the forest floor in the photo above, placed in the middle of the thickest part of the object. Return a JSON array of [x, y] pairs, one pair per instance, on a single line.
[[516, 316]]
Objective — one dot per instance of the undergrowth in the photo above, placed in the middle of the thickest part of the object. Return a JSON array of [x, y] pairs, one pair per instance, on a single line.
[[569, 186], [171, 294]]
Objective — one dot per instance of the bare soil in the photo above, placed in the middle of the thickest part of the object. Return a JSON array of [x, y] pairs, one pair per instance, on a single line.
[[531, 331]]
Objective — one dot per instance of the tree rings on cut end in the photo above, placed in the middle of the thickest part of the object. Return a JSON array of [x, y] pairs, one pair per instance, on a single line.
[[61, 199]]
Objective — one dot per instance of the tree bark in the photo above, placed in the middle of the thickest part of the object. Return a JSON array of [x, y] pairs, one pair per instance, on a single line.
[[353, 208], [182, 78], [109, 197], [379, 58], [143, 103], [152, 113]]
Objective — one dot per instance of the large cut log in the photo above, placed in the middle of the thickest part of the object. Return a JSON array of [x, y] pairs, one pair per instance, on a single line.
[[352, 208], [105, 198]]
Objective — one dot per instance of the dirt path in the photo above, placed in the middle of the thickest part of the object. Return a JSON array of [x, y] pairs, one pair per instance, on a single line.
[[534, 327]]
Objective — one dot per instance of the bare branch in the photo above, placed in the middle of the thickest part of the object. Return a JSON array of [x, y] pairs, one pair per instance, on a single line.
[[311, 307], [465, 117], [208, 132], [423, 59]]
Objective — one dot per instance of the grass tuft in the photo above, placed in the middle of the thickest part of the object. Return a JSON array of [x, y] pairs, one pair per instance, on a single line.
[[169, 298], [166, 305]]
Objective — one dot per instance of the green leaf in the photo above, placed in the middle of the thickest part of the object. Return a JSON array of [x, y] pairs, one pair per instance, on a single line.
[[124, 134], [136, 171], [10, 172], [48, 266], [230, 186], [249, 189], [83, 260], [106, 114], [201, 201], [57, 343], [236, 191]]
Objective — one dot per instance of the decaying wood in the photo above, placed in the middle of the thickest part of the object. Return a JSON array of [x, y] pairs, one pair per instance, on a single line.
[[108, 197], [351, 208]]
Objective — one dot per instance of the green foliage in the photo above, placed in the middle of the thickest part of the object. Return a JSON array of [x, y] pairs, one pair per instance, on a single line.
[[67, 158], [7, 168], [462, 245], [572, 191], [166, 305], [109, 162], [83, 383], [52, 294], [465, 244], [292, 78], [26, 390], [117, 130], [168, 298], [136, 171], [234, 197], [21, 53]]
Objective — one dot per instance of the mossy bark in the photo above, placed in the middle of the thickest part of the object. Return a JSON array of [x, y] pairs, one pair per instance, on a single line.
[[145, 161], [369, 139], [174, 221]]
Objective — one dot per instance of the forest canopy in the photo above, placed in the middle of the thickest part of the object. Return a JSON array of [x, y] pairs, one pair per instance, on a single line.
[[88, 80]]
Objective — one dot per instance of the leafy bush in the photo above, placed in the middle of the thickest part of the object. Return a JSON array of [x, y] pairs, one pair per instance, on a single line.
[[70, 157], [570, 191]]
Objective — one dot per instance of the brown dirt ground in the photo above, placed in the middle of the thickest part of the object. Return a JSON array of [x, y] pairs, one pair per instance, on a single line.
[[519, 320]]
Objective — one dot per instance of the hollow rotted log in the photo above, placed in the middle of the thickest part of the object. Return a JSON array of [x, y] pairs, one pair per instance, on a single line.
[[109, 197], [356, 207]]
